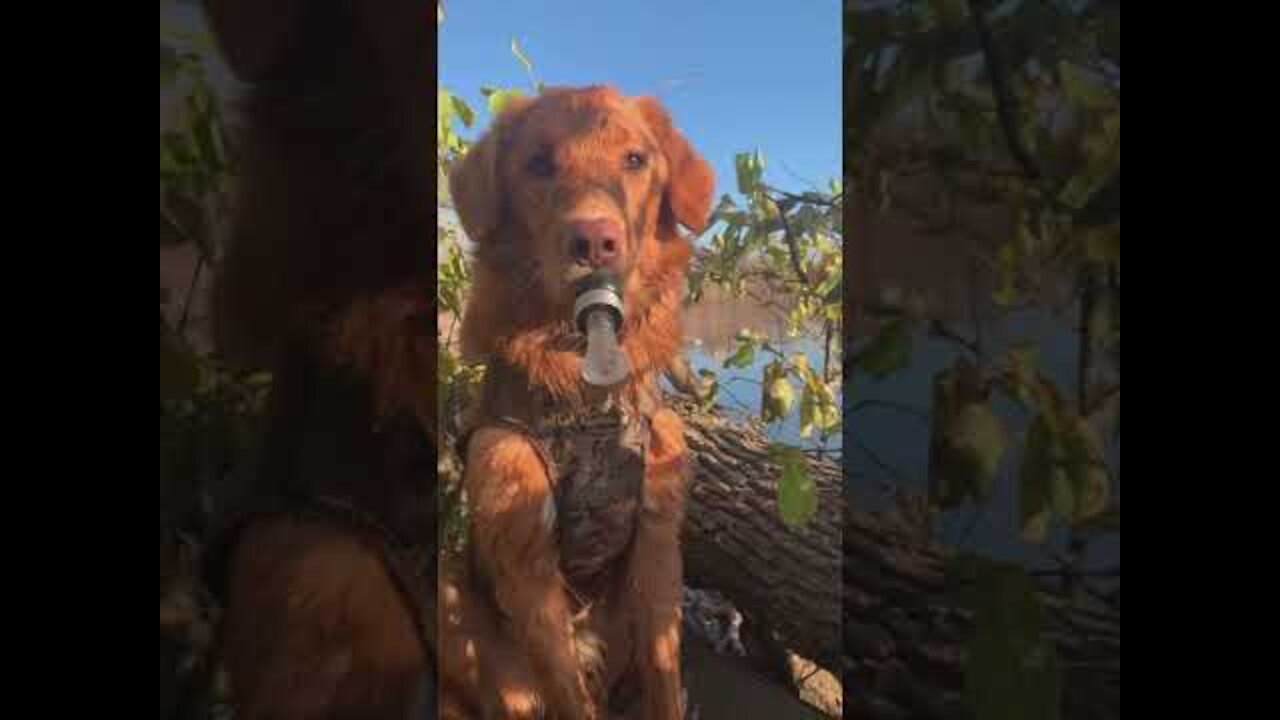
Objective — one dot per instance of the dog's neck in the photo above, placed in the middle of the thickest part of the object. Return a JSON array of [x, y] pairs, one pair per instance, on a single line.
[[551, 356], [541, 341]]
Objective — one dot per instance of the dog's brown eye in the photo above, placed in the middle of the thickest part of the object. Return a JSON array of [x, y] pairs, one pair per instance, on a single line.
[[542, 165], [636, 160]]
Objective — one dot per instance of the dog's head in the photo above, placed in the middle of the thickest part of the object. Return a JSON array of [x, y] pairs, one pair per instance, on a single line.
[[577, 180]]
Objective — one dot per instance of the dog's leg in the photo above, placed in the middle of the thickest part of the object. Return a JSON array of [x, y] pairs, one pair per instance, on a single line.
[[512, 522], [482, 666], [315, 627], [650, 595]]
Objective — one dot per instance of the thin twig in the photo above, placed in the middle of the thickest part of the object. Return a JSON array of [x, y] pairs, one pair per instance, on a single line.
[[191, 292], [796, 175], [791, 242], [879, 463], [826, 351], [937, 328], [735, 398], [811, 199], [453, 323]]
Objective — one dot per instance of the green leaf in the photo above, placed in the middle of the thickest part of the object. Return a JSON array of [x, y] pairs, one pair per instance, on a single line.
[[208, 141], [498, 100], [1005, 296], [1036, 528], [1062, 496], [1035, 479], [750, 168], [829, 413], [179, 148], [832, 288], [808, 411], [1011, 671], [463, 110], [1023, 362], [742, 163], [779, 398], [709, 389], [445, 110], [745, 355], [1086, 470], [953, 466], [888, 352], [258, 380], [977, 440], [1101, 319], [797, 493], [1084, 88]]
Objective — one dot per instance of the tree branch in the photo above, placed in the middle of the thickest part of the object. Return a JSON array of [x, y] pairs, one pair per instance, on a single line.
[[191, 291], [892, 471], [937, 328], [1006, 107], [810, 198], [791, 241]]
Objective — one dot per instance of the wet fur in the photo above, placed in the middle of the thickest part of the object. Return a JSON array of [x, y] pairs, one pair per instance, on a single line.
[[546, 656]]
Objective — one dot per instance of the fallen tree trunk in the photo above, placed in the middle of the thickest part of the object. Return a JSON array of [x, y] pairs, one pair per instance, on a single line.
[[886, 622], [735, 541]]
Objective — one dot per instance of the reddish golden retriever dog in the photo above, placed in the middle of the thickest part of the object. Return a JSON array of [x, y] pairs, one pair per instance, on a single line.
[[567, 604], [326, 573]]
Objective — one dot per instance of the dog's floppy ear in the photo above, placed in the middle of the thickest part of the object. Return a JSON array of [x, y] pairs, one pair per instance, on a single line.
[[252, 33], [473, 182], [691, 187]]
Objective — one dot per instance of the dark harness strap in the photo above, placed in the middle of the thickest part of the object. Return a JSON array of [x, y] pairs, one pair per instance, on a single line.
[[506, 422]]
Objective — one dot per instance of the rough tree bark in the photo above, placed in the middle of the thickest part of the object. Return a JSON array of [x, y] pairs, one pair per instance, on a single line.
[[902, 653]]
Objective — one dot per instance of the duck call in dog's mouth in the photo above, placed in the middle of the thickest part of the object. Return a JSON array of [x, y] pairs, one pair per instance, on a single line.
[[597, 312]]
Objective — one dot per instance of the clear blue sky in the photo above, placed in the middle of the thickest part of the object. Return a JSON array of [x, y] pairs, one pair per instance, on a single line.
[[736, 76]]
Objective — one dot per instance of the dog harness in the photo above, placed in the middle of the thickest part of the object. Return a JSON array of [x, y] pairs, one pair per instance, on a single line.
[[594, 454]]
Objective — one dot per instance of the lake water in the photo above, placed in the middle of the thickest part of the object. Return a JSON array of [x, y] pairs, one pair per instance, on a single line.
[[901, 441], [710, 328]]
